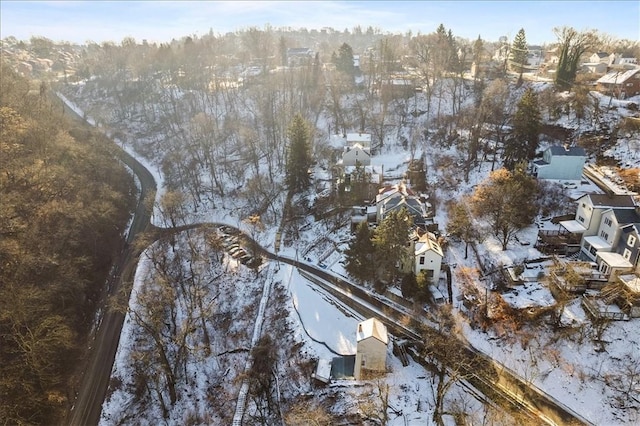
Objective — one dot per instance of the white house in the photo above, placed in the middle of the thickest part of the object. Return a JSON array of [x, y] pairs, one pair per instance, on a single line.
[[600, 57], [560, 162], [357, 154], [427, 257], [601, 247], [371, 348], [590, 210]]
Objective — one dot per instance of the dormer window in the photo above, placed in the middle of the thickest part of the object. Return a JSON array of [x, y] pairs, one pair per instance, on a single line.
[[631, 241]]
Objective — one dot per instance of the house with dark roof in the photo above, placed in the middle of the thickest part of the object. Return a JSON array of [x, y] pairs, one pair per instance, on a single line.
[[560, 162], [393, 198], [590, 210], [571, 234], [602, 247]]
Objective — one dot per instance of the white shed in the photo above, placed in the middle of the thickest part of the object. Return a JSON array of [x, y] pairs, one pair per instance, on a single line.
[[371, 348]]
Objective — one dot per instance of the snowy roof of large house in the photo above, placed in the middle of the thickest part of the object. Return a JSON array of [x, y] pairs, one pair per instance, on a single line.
[[605, 200], [602, 54], [372, 327], [427, 243], [574, 151], [359, 137], [618, 77], [389, 190]]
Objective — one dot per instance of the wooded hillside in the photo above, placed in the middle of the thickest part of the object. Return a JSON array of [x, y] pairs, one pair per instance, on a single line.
[[64, 205]]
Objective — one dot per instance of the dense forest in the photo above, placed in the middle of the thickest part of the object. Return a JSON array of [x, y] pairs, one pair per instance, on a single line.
[[64, 206]]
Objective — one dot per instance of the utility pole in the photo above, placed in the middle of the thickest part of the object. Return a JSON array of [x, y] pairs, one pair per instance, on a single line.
[[486, 302]]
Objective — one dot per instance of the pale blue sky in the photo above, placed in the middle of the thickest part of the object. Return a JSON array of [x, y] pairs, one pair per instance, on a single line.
[[160, 21]]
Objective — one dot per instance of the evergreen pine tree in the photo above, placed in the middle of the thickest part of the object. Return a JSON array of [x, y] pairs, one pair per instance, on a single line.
[[389, 240], [344, 59], [359, 254], [519, 50], [409, 285], [299, 155], [523, 141]]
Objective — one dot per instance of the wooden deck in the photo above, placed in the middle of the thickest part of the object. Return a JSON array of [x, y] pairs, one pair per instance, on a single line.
[[597, 309]]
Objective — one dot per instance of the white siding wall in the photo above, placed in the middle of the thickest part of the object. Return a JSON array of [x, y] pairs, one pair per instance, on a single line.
[[374, 354], [562, 167], [432, 262], [356, 154], [590, 216], [608, 232]]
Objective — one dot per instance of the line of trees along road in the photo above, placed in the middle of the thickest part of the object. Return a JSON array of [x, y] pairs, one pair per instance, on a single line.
[[63, 208]]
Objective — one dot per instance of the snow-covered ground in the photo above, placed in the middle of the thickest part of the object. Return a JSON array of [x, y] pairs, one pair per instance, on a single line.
[[566, 364]]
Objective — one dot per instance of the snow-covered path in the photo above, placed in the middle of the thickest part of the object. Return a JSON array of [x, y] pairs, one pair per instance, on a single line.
[[257, 330]]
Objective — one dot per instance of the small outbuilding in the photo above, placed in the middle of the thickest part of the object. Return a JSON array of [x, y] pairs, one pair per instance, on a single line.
[[371, 349]]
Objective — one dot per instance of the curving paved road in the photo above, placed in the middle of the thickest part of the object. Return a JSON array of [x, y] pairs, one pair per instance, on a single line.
[[95, 379]]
